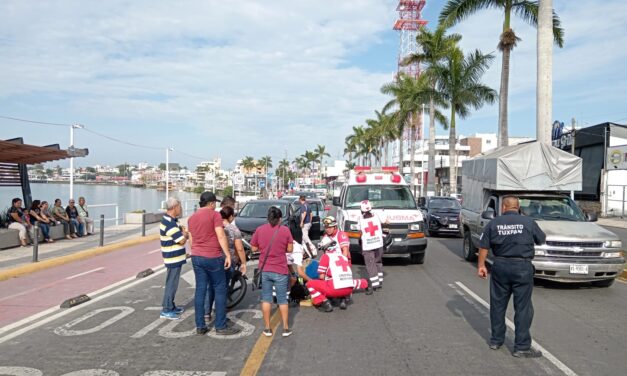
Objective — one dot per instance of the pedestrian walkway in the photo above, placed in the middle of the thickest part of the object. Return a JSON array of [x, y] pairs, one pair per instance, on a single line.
[[613, 222], [20, 256]]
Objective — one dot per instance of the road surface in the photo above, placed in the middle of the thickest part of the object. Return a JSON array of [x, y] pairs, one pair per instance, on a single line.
[[429, 319]]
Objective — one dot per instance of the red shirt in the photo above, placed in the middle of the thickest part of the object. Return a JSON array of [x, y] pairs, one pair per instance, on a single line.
[[277, 262], [202, 226]]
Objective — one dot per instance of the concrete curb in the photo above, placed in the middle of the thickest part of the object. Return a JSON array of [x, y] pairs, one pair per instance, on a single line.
[[62, 260]]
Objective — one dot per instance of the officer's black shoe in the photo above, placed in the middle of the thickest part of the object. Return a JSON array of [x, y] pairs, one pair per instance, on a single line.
[[326, 306], [531, 353], [342, 303], [495, 346], [369, 290]]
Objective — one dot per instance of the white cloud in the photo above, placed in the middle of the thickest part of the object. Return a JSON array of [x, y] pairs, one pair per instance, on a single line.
[[265, 72]]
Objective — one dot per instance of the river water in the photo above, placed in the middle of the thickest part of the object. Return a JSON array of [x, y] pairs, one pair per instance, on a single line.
[[128, 198]]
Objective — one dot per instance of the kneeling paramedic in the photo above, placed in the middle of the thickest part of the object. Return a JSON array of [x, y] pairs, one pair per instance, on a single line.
[[335, 277], [511, 238]]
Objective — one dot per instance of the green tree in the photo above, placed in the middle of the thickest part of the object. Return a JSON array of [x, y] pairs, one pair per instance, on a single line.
[[248, 163], [91, 170], [435, 46], [162, 166], [459, 81], [457, 10], [410, 95], [321, 152]]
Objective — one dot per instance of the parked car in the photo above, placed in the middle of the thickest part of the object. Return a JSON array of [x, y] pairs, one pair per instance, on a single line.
[[317, 208], [255, 214], [441, 215]]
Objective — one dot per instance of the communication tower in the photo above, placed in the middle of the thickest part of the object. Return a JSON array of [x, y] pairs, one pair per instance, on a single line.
[[408, 23]]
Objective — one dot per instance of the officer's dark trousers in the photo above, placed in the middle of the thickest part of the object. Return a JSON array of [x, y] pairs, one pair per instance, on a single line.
[[511, 277]]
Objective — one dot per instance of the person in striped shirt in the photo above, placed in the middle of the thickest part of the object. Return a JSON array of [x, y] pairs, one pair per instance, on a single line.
[[173, 238]]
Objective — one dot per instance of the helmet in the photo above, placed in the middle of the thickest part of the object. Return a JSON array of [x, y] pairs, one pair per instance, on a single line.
[[365, 206], [329, 221]]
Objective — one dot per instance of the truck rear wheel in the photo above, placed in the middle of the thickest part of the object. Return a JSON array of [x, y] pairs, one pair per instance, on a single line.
[[603, 283], [470, 251]]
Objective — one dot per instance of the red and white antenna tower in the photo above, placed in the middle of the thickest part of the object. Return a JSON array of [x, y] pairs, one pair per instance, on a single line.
[[408, 23]]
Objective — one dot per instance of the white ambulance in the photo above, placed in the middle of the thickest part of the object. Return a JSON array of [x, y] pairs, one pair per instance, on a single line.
[[391, 198]]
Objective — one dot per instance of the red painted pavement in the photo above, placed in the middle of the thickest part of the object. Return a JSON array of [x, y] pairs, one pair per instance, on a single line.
[[29, 294]]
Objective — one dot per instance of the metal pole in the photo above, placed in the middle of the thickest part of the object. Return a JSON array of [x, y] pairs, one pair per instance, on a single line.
[[195, 208], [167, 173], [117, 215], [143, 224], [544, 88], [36, 242], [572, 150], [101, 230], [605, 171], [72, 163]]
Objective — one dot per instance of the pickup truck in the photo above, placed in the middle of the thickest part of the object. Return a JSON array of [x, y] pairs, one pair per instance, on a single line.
[[576, 249]]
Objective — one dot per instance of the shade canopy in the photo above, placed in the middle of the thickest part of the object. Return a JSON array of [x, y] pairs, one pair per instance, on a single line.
[[16, 151]]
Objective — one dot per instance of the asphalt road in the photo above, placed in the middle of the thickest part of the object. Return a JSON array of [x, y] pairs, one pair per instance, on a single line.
[[428, 320]]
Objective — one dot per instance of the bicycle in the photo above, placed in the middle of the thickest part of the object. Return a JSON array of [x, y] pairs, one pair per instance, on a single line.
[[237, 288]]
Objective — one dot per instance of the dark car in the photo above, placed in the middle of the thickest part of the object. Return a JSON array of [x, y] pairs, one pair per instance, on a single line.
[[441, 215], [255, 214]]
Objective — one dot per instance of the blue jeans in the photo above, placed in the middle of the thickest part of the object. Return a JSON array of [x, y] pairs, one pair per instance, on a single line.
[[78, 227], [210, 295], [45, 230], [209, 273], [171, 285], [279, 282]]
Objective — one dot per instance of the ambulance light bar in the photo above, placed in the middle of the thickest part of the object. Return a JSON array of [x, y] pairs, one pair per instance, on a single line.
[[375, 169]]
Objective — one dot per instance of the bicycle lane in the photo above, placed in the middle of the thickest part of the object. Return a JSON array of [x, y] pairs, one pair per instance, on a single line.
[[29, 294], [120, 332]]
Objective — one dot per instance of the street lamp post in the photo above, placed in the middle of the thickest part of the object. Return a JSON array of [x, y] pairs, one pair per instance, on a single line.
[[72, 127], [544, 90], [167, 172]]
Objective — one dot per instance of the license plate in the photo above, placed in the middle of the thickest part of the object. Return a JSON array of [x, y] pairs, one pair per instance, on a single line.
[[579, 269], [452, 226], [398, 239]]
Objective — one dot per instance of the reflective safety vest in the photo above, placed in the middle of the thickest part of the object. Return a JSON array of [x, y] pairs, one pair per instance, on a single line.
[[328, 239], [371, 233], [340, 271]]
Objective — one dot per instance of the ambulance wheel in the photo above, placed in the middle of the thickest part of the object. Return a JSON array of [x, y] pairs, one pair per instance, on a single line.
[[417, 258], [470, 252]]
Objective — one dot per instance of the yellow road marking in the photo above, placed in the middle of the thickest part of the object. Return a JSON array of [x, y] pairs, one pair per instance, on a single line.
[[259, 351]]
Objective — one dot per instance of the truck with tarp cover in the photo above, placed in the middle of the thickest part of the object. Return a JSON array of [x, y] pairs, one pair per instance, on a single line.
[[541, 176]]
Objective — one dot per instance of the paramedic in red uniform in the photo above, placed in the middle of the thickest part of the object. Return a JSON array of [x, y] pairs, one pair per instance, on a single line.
[[371, 225], [336, 277]]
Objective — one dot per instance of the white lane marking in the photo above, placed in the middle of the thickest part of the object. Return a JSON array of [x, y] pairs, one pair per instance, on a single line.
[[550, 357], [158, 270], [67, 332], [84, 273], [20, 371], [183, 373], [189, 278], [154, 251]]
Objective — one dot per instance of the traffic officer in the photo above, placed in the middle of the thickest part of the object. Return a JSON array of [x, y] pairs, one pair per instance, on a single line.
[[511, 238]]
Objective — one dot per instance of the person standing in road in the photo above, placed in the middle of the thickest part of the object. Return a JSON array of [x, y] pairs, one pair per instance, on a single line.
[[306, 217], [371, 226], [273, 241], [210, 257], [173, 239], [83, 213], [511, 237]]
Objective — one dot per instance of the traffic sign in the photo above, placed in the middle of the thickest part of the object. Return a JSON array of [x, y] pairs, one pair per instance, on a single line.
[[262, 184], [291, 185], [238, 179]]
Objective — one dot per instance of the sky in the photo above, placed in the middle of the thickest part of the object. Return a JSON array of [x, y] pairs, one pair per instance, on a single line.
[[229, 79]]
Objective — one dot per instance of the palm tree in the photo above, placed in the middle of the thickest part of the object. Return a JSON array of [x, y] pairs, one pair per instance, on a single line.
[[266, 162], [321, 152], [310, 158], [459, 81], [410, 94], [458, 10], [435, 46], [282, 170], [350, 148], [248, 163]]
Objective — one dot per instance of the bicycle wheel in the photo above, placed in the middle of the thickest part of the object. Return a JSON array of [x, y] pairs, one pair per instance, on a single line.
[[237, 289]]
